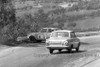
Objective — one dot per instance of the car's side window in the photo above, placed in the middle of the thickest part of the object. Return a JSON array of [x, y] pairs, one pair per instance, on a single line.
[[72, 34], [43, 30], [50, 30]]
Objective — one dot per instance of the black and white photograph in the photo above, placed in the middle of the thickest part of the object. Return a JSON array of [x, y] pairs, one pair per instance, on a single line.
[[49, 33]]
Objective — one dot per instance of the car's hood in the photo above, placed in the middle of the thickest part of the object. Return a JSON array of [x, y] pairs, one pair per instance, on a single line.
[[57, 39], [32, 33]]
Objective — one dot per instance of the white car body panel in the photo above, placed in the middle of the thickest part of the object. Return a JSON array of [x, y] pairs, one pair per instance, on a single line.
[[42, 35], [58, 41]]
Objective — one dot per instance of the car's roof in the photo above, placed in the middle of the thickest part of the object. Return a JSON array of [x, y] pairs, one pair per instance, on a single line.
[[49, 28], [63, 31]]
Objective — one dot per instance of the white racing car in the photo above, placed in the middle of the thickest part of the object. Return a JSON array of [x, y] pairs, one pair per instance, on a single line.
[[42, 35], [63, 39]]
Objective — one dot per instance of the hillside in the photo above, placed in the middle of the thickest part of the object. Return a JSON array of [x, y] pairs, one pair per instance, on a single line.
[[29, 16], [88, 23]]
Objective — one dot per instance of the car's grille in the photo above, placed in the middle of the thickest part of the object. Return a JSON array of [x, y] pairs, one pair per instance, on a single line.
[[55, 43]]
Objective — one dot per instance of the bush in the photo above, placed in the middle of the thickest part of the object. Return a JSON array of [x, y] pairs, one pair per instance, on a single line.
[[7, 17], [21, 27]]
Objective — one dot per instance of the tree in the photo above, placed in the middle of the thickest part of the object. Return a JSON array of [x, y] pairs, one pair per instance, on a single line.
[[41, 18], [7, 19], [4, 1], [7, 13], [71, 25]]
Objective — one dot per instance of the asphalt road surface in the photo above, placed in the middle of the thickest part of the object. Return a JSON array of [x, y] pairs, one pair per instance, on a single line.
[[30, 55]]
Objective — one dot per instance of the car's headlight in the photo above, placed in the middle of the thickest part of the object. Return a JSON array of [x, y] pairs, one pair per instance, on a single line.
[[47, 40], [65, 43], [47, 43]]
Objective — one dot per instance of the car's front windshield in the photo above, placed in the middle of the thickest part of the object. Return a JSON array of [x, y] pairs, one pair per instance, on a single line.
[[60, 34]]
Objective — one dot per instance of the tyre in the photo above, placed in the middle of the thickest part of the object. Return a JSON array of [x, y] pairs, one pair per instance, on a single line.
[[32, 38], [70, 49], [77, 49], [51, 51], [60, 50], [39, 41]]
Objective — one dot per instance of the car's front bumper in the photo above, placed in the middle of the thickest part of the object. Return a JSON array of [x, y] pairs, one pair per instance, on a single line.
[[57, 47]]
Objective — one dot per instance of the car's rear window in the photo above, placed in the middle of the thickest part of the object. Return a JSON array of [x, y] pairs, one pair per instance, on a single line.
[[60, 34]]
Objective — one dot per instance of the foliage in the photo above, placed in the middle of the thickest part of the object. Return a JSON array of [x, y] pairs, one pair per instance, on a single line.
[[41, 18], [7, 13], [7, 18], [11, 26]]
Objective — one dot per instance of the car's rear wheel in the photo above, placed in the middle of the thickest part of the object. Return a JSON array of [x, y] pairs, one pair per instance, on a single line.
[[77, 49], [32, 38], [51, 51]]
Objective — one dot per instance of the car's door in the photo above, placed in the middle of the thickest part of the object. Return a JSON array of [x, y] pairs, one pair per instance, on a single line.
[[42, 33], [74, 39]]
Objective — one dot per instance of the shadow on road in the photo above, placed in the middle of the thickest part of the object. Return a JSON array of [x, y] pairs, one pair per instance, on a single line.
[[66, 52], [26, 45], [32, 45], [84, 43], [13, 43]]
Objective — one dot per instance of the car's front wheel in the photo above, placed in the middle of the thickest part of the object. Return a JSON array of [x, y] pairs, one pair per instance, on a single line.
[[39, 41], [60, 50], [70, 49], [51, 51], [77, 49]]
